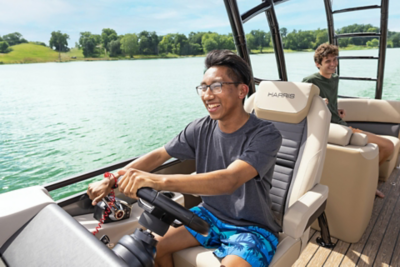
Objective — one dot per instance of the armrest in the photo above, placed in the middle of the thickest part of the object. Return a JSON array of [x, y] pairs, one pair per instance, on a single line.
[[304, 211], [359, 139], [339, 134]]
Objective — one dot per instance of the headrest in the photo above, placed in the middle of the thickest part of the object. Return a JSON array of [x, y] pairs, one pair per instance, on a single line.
[[282, 101]]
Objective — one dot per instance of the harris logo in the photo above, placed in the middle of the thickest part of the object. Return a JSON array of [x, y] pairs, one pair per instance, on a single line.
[[284, 95]]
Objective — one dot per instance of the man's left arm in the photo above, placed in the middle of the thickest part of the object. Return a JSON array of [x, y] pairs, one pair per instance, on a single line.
[[220, 182]]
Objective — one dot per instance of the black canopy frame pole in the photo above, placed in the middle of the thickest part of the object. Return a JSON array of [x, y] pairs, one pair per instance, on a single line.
[[276, 40], [333, 39], [239, 36], [382, 48], [331, 27], [236, 21]]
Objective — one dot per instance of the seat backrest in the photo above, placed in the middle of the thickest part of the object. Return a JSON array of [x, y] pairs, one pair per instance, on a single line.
[[372, 115], [303, 119]]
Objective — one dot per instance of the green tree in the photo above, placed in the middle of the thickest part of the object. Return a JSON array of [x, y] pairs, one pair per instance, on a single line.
[[196, 47], [396, 40], [114, 47], [209, 44], [260, 38], [373, 43], [4, 47], [108, 35], [321, 36], [129, 44], [14, 38], [59, 41], [88, 42], [148, 43], [167, 44]]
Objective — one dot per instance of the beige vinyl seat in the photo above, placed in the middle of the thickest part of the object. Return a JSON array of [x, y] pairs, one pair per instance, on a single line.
[[297, 196], [351, 173], [380, 117]]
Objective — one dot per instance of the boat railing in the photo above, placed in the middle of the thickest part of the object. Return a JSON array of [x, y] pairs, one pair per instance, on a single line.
[[382, 35]]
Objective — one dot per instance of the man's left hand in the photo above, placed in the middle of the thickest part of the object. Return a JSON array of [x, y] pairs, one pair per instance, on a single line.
[[132, 180]]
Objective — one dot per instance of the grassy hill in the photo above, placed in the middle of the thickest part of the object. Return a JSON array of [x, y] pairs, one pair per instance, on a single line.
[[33, 53]]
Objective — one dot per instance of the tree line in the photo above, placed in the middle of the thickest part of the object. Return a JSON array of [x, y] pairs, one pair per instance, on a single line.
[[196, 43]]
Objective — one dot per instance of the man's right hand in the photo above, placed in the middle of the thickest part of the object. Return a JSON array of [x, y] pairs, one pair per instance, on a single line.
[[98, 190], [326, 100]]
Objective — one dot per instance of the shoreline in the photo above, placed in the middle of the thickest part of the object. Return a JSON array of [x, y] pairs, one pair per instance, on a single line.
[[65, 58]]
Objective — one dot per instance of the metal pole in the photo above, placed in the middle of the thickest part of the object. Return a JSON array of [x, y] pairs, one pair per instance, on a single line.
[[382, 48], [329, 19], [239, 36], [276, 40], [331, 27]]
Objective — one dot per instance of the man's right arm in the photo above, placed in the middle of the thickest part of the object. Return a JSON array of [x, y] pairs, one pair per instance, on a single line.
[[148, 162]]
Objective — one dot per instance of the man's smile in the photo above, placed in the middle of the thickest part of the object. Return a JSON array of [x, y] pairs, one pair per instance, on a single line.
[[211, 107]]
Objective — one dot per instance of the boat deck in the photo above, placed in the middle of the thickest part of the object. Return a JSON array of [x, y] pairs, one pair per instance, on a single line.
[[380, 243]]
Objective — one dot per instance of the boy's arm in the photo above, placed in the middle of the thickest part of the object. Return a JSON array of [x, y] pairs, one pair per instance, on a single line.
[[148, 162], [218, 182]]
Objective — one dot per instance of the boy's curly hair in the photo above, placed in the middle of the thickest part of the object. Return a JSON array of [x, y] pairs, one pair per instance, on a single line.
[[324, 50]]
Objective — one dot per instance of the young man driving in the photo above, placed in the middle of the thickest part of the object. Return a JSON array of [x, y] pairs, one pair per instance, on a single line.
[[235, 154], [327, 80]]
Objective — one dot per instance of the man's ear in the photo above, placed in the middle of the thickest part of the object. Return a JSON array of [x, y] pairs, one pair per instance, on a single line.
[[243, 90], [317, 65]]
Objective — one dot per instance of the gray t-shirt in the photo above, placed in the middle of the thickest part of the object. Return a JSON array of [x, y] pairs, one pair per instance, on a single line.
[[257, 143]]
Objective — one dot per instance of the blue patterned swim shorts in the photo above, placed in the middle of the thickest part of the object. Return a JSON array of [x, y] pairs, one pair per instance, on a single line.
[[253, 244]]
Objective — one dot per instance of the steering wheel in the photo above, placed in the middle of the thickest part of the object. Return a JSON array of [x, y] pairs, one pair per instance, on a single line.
[[173, 209]]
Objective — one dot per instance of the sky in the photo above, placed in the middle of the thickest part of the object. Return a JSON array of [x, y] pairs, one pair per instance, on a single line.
[[36, 19]]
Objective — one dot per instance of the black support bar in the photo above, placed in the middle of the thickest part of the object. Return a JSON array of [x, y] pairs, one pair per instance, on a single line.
[[259, 80], [333, 39], [358, 78], [277, 41], [382, 48], [329, 19], [355, 9], [325, 239], [239, 36], [246, 16], [358, 34], [356, 57]]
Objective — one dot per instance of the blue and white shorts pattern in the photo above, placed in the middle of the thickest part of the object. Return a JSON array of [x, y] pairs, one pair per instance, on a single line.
[[255, 245]]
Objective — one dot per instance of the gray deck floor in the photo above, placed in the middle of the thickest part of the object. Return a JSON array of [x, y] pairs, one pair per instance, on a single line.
[[380, 243]]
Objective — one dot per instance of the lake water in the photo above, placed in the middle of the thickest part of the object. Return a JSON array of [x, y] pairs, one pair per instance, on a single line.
[[62, 119]]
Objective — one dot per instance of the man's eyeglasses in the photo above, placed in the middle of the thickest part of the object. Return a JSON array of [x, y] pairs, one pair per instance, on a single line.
[[215, 87]]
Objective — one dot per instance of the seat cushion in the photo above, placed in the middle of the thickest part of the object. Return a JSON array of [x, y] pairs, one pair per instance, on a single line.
[[385, 170], [396, 143]]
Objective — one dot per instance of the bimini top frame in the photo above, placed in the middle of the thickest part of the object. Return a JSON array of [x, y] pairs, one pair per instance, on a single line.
[[333, 39], [267, 6], [239, 37]]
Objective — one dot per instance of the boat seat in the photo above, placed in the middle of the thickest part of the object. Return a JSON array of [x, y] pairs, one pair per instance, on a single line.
[[351, 173], [297, 197], [381, 117], [54, 238]]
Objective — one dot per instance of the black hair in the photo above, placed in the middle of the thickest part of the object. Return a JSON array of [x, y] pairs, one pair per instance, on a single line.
[[239, 70]]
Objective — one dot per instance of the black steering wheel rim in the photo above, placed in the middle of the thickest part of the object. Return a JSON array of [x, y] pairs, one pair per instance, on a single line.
[[174, 209]]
